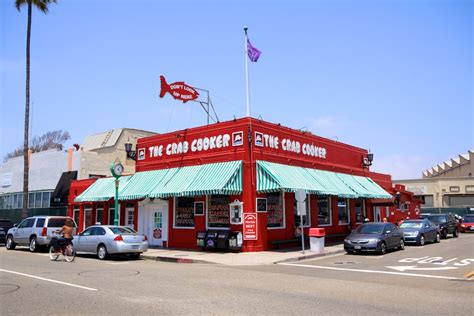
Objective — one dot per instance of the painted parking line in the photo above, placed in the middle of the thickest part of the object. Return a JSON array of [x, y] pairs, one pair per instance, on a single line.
[[48, 280], [374, 271]]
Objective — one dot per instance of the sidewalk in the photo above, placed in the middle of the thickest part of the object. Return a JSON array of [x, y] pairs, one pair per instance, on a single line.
[[238, 258]]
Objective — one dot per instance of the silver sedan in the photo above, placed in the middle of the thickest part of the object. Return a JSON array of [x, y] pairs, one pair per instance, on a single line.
[[104, 240]]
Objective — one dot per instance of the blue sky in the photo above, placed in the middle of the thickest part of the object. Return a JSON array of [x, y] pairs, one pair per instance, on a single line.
[[395, 77]]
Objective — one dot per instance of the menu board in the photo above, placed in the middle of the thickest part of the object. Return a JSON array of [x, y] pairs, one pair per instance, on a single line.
[[275, 210], [184, 212], [218, 212]]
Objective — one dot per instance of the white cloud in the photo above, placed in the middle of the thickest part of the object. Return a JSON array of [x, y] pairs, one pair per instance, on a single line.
[[328, 126]]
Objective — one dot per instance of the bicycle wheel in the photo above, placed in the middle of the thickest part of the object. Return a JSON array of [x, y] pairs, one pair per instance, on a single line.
[[69, 253], [52, 254]]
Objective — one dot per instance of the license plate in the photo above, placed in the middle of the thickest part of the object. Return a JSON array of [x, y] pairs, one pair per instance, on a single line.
[[472, 227], [135, 247], [357, 247]]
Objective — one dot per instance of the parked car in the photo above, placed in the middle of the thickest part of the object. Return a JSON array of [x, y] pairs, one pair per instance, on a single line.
[[5, 225], [446, 222], [467, 224], [420, 231], [377, 237], [35, 232], [105, 239]]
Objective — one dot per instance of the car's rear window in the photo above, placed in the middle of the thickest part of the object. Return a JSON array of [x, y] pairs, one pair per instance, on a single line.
[[370, 229], [468, 219], [437, 218], [122, 230], [57, 222], [6, 224], [411, 225]]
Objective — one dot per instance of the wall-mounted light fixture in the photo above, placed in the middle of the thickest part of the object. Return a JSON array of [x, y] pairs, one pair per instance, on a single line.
[[131, 154], [367, 161]]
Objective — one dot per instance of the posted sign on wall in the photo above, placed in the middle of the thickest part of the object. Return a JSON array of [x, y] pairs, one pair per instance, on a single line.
[[250, 226]]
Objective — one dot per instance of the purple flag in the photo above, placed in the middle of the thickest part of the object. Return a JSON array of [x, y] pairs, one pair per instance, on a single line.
[[252, 52]]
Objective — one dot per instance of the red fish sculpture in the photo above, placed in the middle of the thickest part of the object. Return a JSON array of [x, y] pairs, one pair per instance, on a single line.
[[178, 90]]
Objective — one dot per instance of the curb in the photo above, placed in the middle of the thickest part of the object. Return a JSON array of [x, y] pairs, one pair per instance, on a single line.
[[174, 260], [311, 256]]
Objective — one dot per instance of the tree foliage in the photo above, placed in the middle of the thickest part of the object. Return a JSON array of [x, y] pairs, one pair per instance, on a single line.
[[49, 140]]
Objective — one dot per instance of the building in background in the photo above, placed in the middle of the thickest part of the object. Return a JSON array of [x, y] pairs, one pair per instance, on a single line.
[[447, 187], [52, 170]]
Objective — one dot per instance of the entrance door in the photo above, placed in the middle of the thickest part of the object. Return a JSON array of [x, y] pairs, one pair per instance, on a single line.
[[156, 222], [377, 215]]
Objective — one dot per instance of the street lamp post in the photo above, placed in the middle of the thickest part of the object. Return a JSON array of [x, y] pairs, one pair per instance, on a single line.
[[117, 170]]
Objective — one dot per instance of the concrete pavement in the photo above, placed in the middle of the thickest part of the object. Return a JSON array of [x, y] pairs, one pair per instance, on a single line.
[[238, 258]]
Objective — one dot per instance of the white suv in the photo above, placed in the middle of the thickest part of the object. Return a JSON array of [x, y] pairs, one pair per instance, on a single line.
[[35, 232]]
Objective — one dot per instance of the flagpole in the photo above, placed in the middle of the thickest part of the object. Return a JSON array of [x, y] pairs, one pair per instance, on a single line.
[[247, 71]]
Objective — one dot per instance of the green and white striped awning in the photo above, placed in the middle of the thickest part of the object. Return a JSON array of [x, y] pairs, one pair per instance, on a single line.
[[216, 178], [102, 190], [142, 183], [272, 177]]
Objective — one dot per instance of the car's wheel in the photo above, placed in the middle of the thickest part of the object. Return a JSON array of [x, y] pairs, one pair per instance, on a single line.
[[402, 244], [422, 240], [456, 233], [135, 256], [102, 252], [438, 237], [444, 234], [33, 246], [10, 244], [382, 248]]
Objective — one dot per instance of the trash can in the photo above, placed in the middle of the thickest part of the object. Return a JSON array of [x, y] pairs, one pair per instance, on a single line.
[[201, 239], [235, 241], [222, 240], [316, 239], [211, 240]]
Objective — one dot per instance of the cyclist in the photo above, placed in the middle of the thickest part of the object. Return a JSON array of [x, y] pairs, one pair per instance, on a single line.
[[66, 231]]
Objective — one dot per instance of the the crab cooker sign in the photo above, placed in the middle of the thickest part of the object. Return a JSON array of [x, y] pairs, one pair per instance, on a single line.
[[196, 145], [289, 145]]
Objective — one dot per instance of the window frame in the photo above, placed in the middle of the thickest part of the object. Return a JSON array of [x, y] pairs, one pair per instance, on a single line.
[[329, 209], [175, 204]]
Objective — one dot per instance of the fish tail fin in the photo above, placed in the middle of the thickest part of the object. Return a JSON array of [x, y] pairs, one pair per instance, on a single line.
[[164, 86]]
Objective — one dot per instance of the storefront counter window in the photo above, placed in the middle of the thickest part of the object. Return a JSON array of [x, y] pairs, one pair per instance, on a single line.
[[360, 210], [275, 210], [218, 211], [306, 218], [324, 211], [343, 211], [184, 212]]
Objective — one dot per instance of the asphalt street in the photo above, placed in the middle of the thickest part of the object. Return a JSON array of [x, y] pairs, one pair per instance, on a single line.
[[401, 282]]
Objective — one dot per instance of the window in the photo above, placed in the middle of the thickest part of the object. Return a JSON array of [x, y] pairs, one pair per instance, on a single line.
[[429, 201], [76, 213], [218, 211], [129, 215], [87, 216], [360, 210], [46, 198], [276, 215], [99, 214], [87, 232], [306, 218], [198, 208], [111, 214], [184, 212], [38, 197], [324, 211], [40, 222], [31, 200], [97, 231], [454, 189], [343, 211], [29, 222]]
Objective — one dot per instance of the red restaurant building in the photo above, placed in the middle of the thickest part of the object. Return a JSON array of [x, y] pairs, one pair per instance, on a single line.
[[240, 177]]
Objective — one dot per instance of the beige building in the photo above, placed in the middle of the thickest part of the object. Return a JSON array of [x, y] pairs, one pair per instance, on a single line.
[[100, 150], [448, 185]]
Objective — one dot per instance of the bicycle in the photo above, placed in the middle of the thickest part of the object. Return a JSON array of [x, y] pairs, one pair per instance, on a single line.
[[68, 251]]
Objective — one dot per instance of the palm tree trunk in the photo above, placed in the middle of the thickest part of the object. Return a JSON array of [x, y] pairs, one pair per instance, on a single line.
[[27, 116]]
